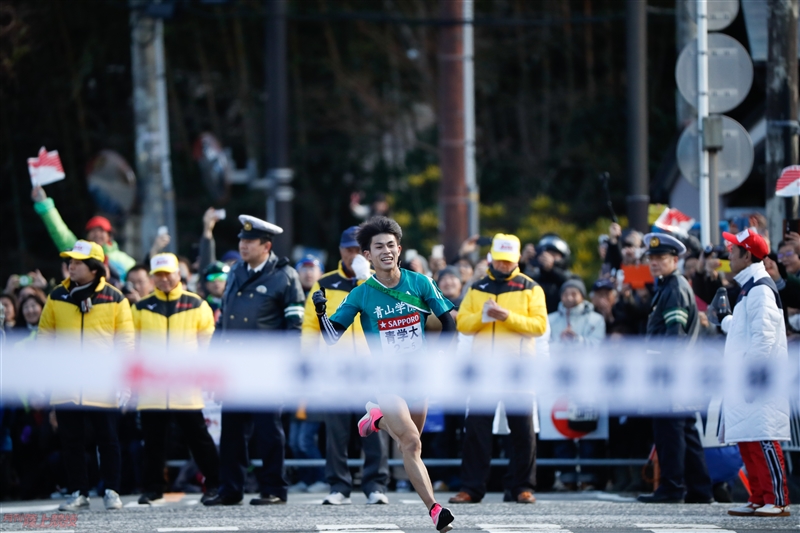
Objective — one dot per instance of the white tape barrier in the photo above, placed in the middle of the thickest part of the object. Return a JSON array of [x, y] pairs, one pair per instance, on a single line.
[[268, 371]]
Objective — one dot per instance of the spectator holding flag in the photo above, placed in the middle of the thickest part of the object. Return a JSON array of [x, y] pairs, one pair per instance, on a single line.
[[98, 230]]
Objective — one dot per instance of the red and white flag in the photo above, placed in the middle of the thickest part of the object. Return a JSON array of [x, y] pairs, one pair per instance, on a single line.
[[46, 168], [674, 221], [789, 182]]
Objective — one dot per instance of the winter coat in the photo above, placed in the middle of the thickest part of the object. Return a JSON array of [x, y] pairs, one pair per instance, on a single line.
[[106, 328], [525, 301], [756, 332], [589, 325], [179, 320]]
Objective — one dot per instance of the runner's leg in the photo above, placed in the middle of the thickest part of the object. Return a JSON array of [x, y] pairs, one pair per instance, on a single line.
[[406, 429]]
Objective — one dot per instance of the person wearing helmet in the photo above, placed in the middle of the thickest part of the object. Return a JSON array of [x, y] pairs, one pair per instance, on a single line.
[[547, 264]]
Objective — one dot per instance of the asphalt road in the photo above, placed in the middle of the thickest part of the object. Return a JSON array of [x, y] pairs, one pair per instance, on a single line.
[[593, 512]]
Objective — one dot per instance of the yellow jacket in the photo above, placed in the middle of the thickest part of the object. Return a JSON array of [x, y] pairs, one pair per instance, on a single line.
[[337, 286], [181, 320], [106, 328], [518, 294]]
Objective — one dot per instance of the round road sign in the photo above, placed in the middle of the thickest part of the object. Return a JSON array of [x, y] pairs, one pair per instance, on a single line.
[[734, 161], [730, 73]]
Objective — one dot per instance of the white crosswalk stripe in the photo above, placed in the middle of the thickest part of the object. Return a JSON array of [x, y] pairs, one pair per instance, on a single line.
[[198, 528], [359, 528], [683, 528], [524, 528]]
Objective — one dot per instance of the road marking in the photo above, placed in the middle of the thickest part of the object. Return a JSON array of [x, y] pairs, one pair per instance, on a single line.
[[359, 528], [411, 502], [28, 508], [199, 528], [136, 505], [603, 496], [42, 531], [526, 528], [677, 526]]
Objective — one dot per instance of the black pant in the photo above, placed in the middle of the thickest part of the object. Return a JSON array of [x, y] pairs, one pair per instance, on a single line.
[[72, 423], [338, 427], [155, 427], [681, 458], [477, 455], [237, 428]]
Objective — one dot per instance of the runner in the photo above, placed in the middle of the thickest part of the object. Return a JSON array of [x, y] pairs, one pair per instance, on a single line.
[[393, 304]]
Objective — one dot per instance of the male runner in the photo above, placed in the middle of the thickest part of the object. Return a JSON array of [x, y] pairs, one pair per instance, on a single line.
[[404, 297]]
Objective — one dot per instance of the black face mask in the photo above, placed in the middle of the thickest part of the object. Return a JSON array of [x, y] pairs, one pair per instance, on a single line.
[[496, 274]]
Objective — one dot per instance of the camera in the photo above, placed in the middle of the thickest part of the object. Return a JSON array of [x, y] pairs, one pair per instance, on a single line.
[[25, 280], [720, 251]]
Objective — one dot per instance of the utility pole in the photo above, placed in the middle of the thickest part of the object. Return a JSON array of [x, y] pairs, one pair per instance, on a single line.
[[453, 197], [470, 170], [702, 115], [782, 125], [153, 165], [636, 61], [279, 175]]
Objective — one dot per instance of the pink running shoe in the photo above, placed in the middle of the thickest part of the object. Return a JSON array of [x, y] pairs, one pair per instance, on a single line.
[[369, 422], [442, 518]]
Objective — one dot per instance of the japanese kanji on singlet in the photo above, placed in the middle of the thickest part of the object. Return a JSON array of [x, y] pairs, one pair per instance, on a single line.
[[393, 326]]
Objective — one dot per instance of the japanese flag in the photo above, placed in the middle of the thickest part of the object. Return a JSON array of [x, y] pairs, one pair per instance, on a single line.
[[675, 221], [46, 168]]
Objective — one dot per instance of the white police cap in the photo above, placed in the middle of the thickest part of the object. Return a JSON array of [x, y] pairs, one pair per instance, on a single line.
[[255, 228], [661, 243]]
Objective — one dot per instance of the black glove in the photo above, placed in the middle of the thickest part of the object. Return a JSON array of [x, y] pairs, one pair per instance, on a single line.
[[319, 301], [719, 307]]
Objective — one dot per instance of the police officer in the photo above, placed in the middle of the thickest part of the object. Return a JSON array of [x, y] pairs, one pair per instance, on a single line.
[[263, 292], [684, 474]]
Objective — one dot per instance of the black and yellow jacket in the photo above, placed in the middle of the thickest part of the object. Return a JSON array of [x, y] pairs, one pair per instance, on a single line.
[[106, 328], [337, 286], [525, 301], [180, 320]]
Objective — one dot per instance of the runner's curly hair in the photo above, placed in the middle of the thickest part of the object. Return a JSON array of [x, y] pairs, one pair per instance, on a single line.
[[376, 226]]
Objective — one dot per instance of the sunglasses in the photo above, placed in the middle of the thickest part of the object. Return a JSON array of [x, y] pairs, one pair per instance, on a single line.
[[628, 245], [214, 277], [786, 255]]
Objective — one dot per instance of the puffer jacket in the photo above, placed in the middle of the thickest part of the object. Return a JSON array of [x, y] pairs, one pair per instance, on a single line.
[[589, 325], [106, 328], [525, 301], [337, 286], [756, 332], [178, 319]]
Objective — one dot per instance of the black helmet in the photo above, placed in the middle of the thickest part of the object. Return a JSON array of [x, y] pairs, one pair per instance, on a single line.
[[553, 243], [214, 271]]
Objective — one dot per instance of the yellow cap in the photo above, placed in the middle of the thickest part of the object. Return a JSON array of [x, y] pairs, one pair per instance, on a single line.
[[164, 263], [85, 250], [505, 248]]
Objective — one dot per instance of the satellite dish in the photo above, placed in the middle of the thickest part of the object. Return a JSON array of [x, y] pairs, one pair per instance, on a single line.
[[112, 183], [730, 73], [734, 161], [215, 167]]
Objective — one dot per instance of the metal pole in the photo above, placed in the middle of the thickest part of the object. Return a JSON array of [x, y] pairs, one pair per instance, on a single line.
[[453, 190], [153, 165], [278, 172], [702, 113], [469, 121], [713, 193], [782, 125], [636, 60]]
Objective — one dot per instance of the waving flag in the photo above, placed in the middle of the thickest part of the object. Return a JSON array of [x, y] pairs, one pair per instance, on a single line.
[[674, 221], [46, 168], [789, 182]]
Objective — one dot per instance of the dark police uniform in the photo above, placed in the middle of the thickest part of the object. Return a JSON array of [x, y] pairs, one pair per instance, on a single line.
[[271, 299], [684, 474]]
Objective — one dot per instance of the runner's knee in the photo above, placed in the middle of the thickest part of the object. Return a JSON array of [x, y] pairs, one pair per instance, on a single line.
[[411, 444]]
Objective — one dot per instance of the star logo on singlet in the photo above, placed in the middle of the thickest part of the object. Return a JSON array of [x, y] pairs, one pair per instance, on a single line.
[[383, 324]]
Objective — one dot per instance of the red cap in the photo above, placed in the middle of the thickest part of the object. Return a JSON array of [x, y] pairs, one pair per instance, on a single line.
[[99, 222], [750, 240]]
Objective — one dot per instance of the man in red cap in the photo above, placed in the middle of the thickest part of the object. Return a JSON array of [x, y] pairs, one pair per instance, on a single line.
[[756, 332], [98, 230]]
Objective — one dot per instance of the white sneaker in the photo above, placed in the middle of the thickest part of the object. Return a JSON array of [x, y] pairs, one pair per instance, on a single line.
[[111, 500], [377, 498], [336, 498], [297, 487], [318, 487], [772, 510], [75, 502]]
